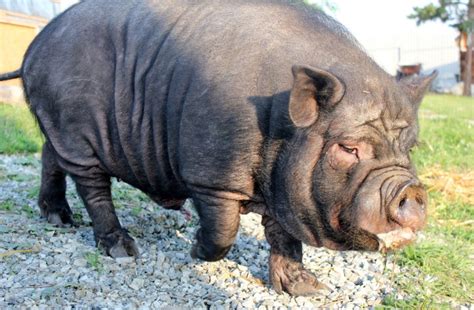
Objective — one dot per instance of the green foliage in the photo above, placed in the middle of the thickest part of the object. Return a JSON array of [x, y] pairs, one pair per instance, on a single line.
[[323, 5], [19, 132], [453, 11], [430, 12]]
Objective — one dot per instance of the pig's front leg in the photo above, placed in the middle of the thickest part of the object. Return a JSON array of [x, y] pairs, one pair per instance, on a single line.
[[219, 220], [286, 262]]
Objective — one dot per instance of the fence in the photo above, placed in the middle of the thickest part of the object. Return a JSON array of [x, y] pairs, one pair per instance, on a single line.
[[445, 59]]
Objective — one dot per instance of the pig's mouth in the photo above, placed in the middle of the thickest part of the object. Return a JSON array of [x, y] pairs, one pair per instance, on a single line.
[[395, 239], [390, 208]]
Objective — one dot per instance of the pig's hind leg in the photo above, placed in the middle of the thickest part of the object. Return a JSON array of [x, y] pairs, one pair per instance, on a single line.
[[52, 197], [108, 232]]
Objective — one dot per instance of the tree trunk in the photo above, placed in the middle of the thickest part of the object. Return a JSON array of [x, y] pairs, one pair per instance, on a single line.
[[468, 63]]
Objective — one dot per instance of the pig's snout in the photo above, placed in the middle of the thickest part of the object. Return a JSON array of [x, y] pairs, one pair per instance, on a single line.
[[408, 208]]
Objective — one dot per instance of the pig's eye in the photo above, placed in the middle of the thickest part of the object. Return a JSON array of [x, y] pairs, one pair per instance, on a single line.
[[412, 147], [347, 149]]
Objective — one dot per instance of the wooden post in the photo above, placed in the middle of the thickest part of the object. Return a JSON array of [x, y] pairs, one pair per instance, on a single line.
[[468, 62]]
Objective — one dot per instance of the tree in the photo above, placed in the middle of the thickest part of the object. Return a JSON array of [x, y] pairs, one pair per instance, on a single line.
[[460, 13], [323, 5]]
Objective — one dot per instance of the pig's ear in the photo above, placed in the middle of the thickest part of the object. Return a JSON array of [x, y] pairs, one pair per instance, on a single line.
[[312, 89], [416, 87]]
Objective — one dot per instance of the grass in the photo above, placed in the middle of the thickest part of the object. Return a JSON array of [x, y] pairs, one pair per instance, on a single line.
[[11, 206], [29, 211], [441, 272], [19, 132], [441, 267], [447, 133], [94, 261], [7, 205], [136, 211], [436, 271]]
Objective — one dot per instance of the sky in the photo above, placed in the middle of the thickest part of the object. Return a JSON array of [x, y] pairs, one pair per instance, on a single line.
[[384, 23], [392, 39]]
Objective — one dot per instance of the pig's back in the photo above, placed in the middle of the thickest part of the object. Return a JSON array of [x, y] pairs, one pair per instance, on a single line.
[[126, 86]]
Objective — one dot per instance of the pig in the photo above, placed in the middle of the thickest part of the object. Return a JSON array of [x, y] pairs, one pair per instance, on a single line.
[[263, 106]]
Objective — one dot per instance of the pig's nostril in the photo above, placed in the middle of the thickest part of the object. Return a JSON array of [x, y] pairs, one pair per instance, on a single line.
[[408, 208], [402, 202], [420, 201]]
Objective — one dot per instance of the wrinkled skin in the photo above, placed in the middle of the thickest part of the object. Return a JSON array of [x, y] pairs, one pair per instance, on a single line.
[[363, 182], [242, 106]]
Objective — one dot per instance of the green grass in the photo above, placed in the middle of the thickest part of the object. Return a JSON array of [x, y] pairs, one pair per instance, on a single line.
[[442, 271], [448, 215], [29, 211], [94, 261], [19, 133], [441, 266], [136, 211], [447, 133], [33, 192], [10, 206], [7, 205]]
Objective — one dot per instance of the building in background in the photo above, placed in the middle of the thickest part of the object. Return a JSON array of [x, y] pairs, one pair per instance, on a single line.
[[441, 54], [396, 43], [20, 22]]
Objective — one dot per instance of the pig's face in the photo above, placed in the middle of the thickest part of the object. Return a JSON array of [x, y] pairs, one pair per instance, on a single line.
[[346, 175]]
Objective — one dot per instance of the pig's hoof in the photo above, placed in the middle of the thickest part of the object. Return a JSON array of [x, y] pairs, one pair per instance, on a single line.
[[61, 219], [119, 244], [292, 278], [207, 250], [208, 254]]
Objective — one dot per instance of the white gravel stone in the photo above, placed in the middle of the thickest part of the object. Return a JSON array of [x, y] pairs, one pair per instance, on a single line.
[[137, 283], [80, 262], [125, 260]]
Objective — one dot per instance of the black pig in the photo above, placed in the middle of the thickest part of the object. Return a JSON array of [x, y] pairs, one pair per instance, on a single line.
[[242, 106]]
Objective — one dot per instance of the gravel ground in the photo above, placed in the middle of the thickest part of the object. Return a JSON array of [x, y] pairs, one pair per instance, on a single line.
[[43, 266]]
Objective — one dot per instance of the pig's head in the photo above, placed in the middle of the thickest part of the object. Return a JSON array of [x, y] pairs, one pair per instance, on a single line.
[[343, 178]]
